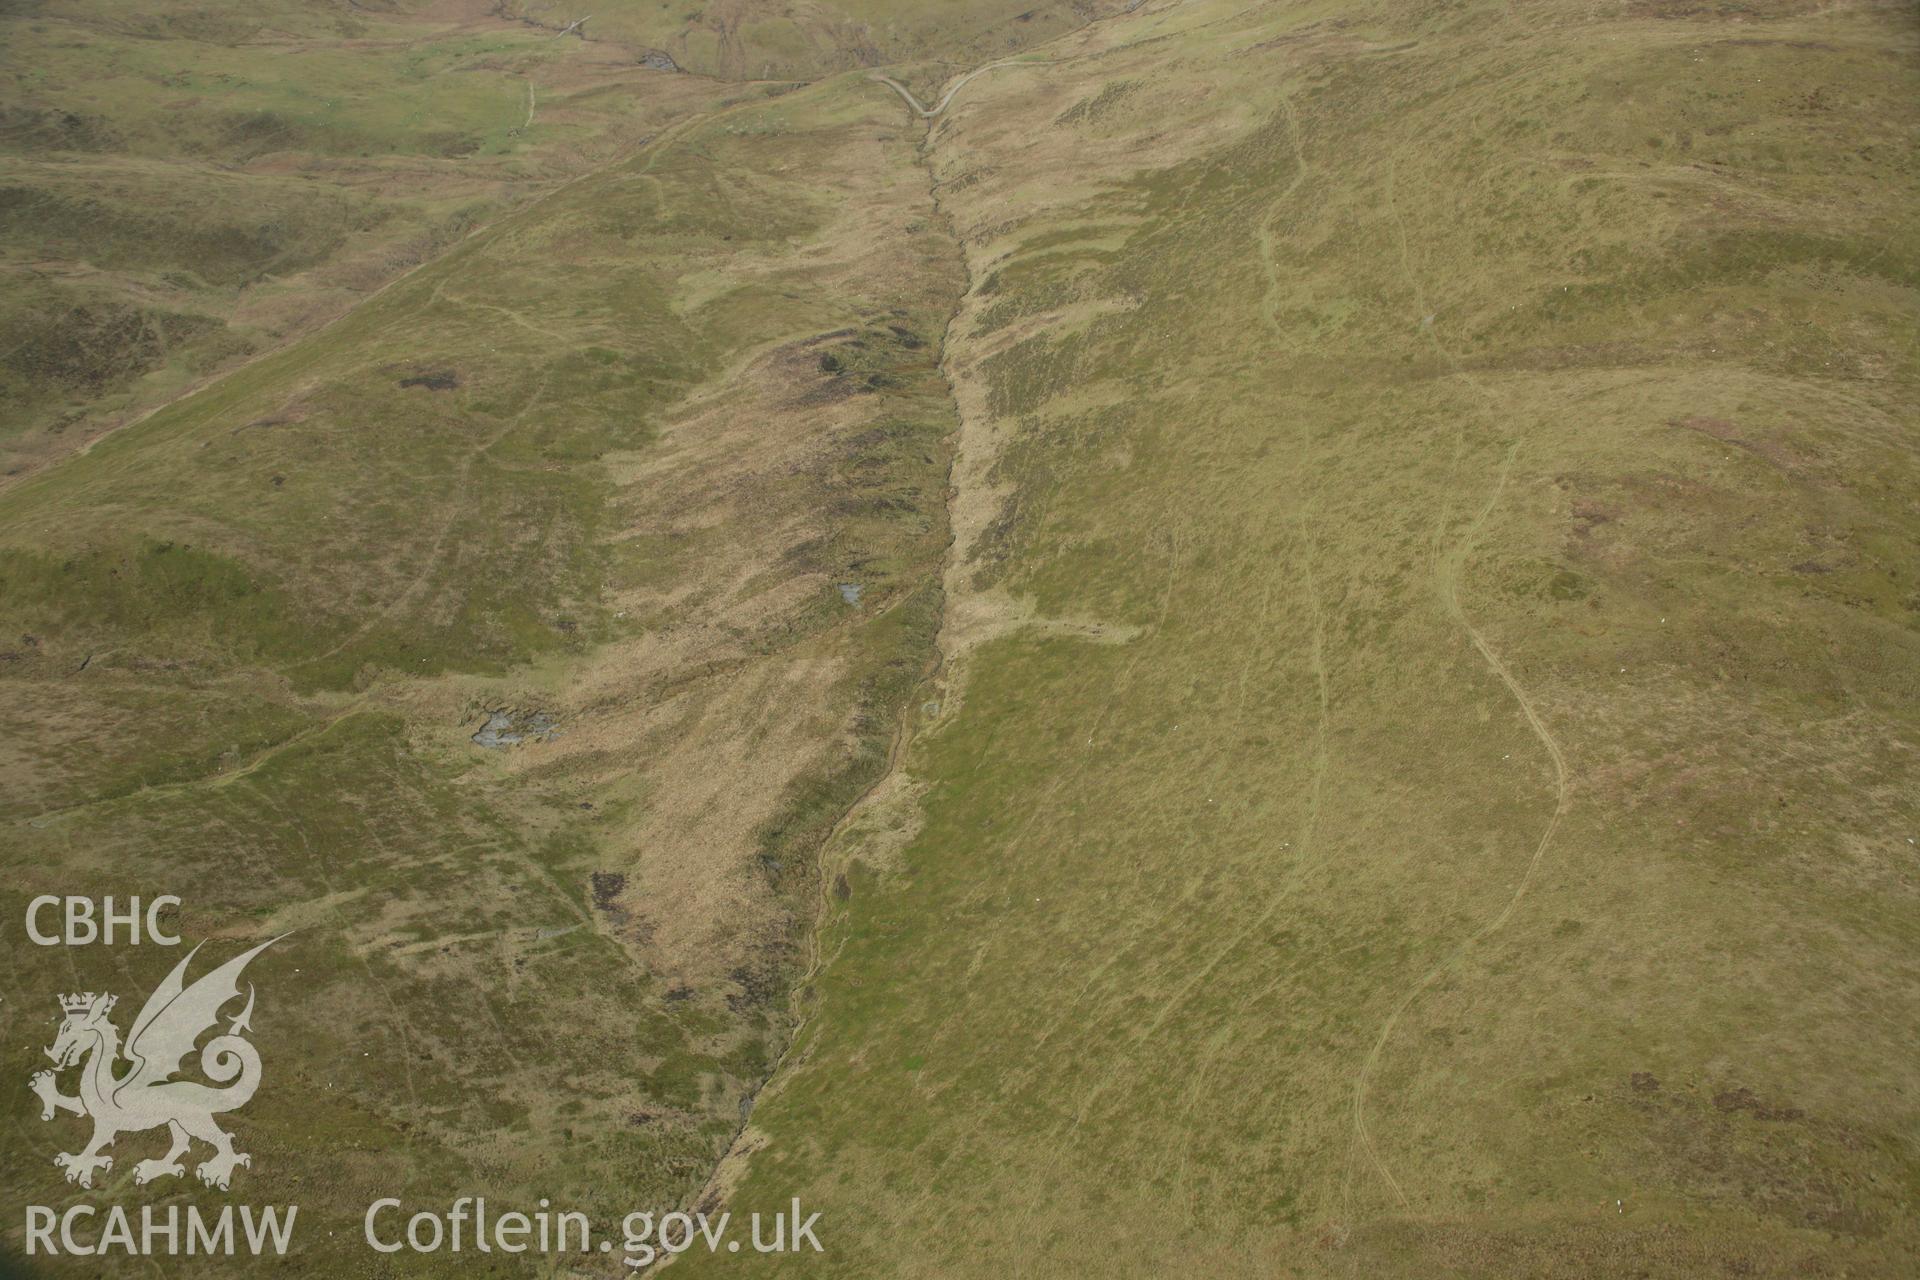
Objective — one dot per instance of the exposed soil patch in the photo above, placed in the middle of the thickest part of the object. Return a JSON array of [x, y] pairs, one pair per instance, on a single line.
[[859, 362], [607, 888], [761, 978], [439, 380]]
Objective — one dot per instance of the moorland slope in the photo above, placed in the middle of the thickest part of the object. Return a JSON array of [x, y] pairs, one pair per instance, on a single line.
[[1422, 780], [1285, 633]]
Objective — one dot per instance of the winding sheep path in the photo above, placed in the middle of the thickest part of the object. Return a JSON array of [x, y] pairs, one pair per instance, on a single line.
[[929, 113]]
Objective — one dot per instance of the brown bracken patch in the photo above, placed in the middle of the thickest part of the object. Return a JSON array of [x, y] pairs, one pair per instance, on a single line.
[[1744, 1099], [1720, 429]]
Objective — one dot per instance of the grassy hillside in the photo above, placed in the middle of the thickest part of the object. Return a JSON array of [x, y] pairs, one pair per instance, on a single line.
[[1424, 777], [1286, 637], [183, 189], [594, 480], [802, 39]]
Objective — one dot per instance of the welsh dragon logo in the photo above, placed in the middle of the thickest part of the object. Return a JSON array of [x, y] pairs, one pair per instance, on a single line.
[[143, 1094]]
